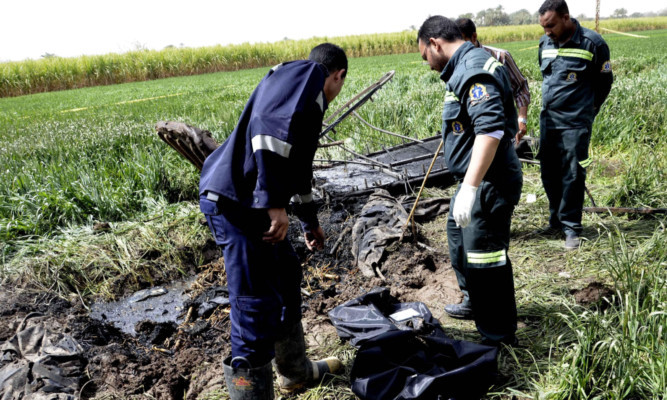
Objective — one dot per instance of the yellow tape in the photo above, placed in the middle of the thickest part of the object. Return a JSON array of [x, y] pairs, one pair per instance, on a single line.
[[623, 33], [123, 102]]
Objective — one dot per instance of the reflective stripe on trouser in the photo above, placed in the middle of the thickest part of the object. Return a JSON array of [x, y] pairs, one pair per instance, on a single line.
[[479, 257], [563, 160], [263, 280]]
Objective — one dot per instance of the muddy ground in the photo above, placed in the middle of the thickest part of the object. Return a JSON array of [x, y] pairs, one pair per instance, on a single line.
[[170, 361]]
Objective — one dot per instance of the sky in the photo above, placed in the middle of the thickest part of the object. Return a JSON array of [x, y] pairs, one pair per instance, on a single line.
[[70, 28]]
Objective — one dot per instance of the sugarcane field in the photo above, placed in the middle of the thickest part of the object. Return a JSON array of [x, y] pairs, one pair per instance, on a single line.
[[113, 282]]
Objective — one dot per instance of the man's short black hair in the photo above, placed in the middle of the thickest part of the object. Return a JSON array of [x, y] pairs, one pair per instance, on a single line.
[[466, 26], [329, 55], [438, 26], [559, 6]]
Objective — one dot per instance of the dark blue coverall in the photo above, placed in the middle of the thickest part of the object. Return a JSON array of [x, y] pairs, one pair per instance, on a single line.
[[577, 79], [479, 101], [265, 162]]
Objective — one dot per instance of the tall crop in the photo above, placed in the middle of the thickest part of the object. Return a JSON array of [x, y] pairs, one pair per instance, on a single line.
[[34, 76]]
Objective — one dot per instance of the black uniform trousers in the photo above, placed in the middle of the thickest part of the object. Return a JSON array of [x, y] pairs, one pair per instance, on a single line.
[[479, 256], [263, 279], [563, 159]]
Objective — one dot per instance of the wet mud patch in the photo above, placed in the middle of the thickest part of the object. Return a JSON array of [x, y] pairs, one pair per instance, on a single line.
[[595, 294]]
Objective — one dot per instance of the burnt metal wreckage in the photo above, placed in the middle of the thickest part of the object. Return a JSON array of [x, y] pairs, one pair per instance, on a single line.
[[398, 169]]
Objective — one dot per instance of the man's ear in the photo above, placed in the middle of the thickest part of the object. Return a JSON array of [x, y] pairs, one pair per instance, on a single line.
[[340, 74], [474, 38]]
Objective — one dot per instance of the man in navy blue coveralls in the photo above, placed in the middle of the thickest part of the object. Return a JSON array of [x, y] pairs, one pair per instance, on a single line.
[[245, 187], [577, 76], [479, 121]]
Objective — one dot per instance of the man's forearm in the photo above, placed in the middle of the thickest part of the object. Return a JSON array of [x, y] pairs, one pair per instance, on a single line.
[[483, 152]]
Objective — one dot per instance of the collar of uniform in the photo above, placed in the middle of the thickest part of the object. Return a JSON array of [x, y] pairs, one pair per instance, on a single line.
[[451, 64], [576, 36]]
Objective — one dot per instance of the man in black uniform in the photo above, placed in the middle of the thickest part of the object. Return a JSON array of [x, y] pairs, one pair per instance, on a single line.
[[577, 79], [479, 122]]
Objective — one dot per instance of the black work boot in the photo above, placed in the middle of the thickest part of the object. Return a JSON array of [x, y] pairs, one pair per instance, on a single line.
[[247, 383], [295, 371], [460, 311]]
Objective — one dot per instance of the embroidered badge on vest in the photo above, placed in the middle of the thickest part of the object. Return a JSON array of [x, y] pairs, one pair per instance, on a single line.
[[457, 127], [606, 67], [478, 94], [571, 77]]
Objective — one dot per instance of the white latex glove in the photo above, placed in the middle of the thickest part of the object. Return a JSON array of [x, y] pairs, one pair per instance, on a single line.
[[463, 204]]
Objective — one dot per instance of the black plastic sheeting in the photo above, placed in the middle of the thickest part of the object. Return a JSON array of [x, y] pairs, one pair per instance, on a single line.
[[40, 362], [405, 354], [406, 365]]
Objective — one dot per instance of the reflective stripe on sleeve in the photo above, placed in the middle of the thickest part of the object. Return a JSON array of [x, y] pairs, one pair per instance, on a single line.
[[272, 144], [450, 96], [585, 163], [487, 259], [491, 65], [302, 198]]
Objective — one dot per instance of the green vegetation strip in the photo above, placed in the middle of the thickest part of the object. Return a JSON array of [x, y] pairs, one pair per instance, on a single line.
[[35, 76]]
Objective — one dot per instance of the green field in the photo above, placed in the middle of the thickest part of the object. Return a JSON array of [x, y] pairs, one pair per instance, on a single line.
[[55, 73], [72, 158]]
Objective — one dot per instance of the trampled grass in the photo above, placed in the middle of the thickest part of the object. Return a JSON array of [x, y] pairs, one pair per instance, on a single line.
[[72, 158]]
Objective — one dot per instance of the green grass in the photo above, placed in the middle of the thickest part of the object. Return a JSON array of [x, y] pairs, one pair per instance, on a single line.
[[73, 158]]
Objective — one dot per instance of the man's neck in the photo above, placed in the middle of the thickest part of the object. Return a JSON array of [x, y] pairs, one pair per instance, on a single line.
[[451, 48], [570, 33]]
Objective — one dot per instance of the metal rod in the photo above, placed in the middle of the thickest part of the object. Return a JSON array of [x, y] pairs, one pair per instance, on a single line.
[[414, 206], [385, 131]]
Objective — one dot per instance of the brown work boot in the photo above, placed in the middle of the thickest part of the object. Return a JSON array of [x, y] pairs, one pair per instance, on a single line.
[[293, 369]]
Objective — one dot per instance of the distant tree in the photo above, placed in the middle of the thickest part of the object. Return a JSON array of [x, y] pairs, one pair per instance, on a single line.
[[492, 17], [521, 17], [662, 12], [169, 46], [48, 55], [620, 13], [467, 15], [536, 17], [413, 28], [581, 17], [636, 15]]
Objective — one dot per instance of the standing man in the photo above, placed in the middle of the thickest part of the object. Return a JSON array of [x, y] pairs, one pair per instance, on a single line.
[[577, 79], [479, 122], [518, 81], [246, 185]]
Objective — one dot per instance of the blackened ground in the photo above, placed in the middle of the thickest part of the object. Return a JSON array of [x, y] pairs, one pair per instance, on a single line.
[[167, 361]]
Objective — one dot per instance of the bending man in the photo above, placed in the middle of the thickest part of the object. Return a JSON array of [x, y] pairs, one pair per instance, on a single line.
[[245, 186]]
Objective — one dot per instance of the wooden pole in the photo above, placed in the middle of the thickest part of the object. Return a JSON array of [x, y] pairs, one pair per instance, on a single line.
[[414, 206], [597, 16]]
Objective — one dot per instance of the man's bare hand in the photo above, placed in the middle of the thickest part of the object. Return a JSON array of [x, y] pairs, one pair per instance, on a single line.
[[522, 132], [279, 224], [315, 239]]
